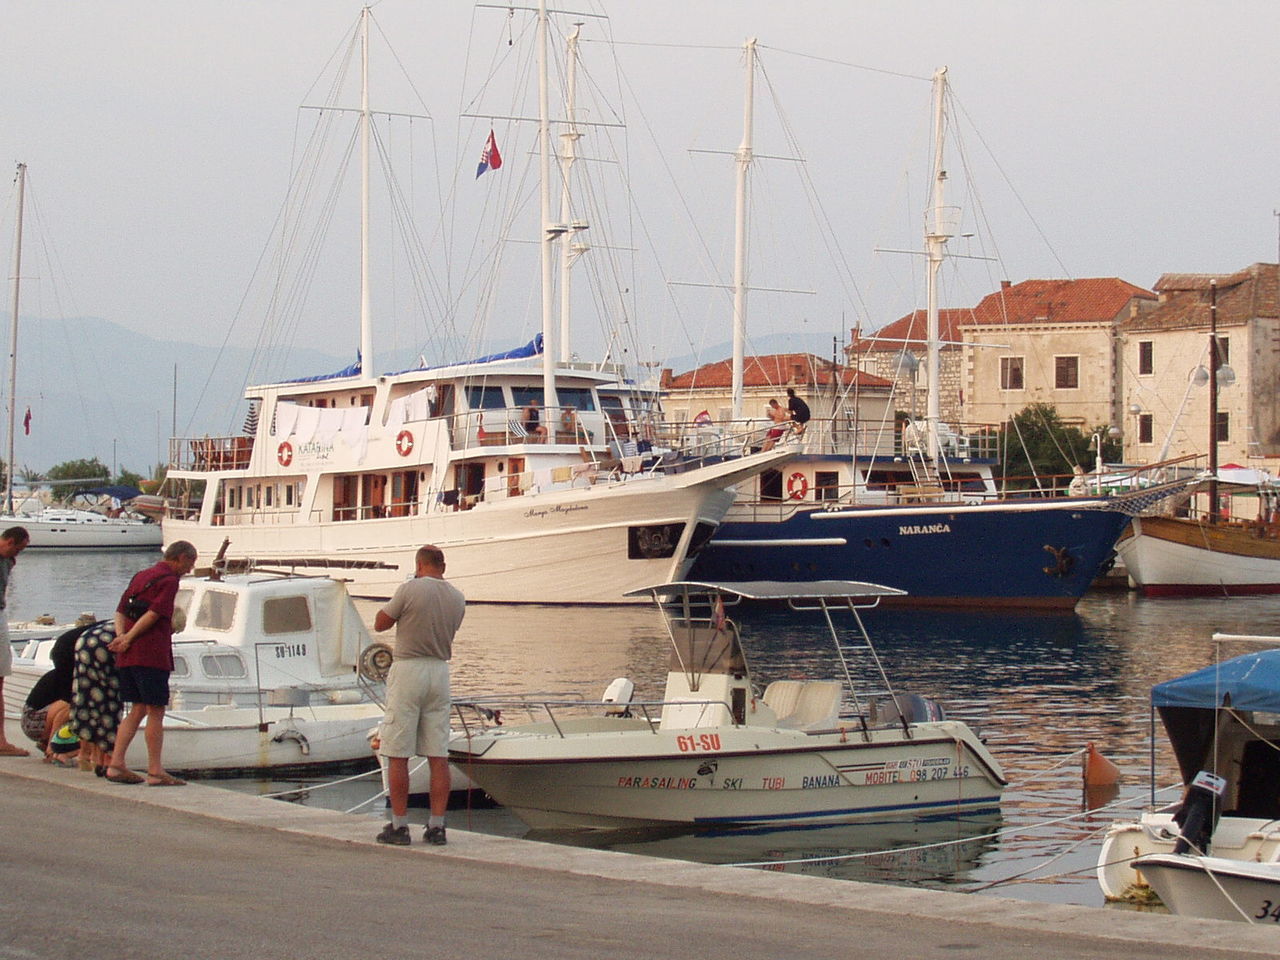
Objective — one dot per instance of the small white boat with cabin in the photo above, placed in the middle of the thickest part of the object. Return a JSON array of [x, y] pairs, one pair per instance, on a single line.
[[268, 676], [716, 751], [1216, 853]]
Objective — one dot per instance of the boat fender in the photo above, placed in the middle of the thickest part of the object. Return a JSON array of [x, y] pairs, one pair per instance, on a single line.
[[297, 737], [797, 486], [1063, 561], [1198, 815]]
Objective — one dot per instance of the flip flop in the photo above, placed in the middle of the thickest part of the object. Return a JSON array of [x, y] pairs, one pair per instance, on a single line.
[[165, 781], [128, 777], [10, 750]]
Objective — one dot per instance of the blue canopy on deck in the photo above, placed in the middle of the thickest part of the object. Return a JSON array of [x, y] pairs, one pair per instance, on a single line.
[[1252, 680]]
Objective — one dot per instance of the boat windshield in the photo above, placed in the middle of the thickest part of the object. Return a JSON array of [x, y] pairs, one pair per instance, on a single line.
[[700, 648]]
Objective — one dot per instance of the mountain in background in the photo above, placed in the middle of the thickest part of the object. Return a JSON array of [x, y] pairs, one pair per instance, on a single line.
[[96, 389]]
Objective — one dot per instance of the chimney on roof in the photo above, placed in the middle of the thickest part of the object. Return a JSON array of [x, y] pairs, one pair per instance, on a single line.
[[797, 373], [1006, 284], [665, 378]]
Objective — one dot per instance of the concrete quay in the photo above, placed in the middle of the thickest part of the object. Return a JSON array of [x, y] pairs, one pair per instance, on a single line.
[[101, 870]]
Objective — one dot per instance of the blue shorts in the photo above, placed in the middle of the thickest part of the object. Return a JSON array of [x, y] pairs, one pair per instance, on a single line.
[[149, 685]]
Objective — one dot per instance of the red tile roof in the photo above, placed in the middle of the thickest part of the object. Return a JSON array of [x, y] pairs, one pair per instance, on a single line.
[[1088, 300], [772, 370], [1184, 298], [910, 331]]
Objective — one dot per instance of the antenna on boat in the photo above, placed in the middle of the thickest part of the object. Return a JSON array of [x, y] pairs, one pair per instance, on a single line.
[[13, 336]]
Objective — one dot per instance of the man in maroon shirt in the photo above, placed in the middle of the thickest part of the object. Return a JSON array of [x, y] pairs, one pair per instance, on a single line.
[[144, 660]]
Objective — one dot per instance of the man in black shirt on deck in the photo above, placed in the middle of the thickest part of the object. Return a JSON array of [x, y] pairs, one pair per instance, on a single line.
[[799, 411]]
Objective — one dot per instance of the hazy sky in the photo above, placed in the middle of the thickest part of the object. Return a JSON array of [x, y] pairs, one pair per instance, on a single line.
[[1115, 138]]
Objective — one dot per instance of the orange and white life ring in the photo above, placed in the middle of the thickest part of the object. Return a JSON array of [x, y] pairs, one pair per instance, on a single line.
[[404, 443], [284, 453], [797, 486]]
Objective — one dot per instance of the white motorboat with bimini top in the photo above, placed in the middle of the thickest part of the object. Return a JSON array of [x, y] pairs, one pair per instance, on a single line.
[[1216, 853], [717, 751], [271, 672]]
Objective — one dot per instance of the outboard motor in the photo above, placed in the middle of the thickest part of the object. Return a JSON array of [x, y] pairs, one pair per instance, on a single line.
[[1198, 815]]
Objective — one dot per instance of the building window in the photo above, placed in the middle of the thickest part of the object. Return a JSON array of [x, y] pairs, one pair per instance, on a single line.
[[1146, 428], [1146, 358], [1011, 373], [1066, 373], [1223, 427]]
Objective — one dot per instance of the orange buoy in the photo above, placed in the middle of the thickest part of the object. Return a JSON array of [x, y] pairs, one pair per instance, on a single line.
[[1098, 770]]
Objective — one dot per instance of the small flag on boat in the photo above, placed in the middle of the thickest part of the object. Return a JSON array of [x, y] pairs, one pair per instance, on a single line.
[[26, 423], [717, 612], [490, 158], [703, 418]]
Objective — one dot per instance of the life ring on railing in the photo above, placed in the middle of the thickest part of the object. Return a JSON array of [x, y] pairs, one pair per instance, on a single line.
[[797, 486], [404, 443], [284, 453]]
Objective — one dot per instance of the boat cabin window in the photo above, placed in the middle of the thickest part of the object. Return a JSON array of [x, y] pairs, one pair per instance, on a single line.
[[580, 398], [286, 615], [826, 485], [180, 667], [182, 601], [486, 398], [523, 396], [226, 665], [217, 610]]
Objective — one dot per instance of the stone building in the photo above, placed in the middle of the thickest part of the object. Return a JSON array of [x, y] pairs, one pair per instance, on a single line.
[[882, 354], [1166, 361], [1054, 342]]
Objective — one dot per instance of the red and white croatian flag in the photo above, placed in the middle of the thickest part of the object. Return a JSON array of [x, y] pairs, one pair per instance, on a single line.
[[490, 158]]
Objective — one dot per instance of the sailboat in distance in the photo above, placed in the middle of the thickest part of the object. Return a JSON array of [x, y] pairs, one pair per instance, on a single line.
[[540, 477]]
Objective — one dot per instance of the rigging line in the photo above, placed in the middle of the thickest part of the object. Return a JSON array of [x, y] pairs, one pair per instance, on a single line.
[[845, 63], [1014, 190], [829, 236]]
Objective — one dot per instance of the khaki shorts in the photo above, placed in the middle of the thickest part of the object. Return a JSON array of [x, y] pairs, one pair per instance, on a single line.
[[417, 720]]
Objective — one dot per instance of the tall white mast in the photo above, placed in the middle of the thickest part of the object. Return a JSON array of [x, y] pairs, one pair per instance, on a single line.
[[367, 368], [13, 335], [570, 247], [937, 233], [744, 157], [549, 230]]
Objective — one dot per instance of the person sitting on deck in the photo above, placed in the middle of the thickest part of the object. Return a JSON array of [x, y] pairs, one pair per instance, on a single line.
[[531, 420], [778, 416]]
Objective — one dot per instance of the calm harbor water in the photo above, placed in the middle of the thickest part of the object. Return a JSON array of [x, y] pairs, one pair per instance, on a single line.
[[1037, 687]]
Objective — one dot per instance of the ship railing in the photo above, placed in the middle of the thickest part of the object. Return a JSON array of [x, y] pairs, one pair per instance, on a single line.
[[210, 453], [563, 714]]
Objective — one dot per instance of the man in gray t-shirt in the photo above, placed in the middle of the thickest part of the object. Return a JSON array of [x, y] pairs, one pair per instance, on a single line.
[[426, 612]]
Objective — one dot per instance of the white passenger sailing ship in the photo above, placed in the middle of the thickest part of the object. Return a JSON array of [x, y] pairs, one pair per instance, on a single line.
[[350, 474]]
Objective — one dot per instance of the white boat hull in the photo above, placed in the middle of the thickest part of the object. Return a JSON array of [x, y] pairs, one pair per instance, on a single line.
[[702, 776], [1215, 888], [1236, 838], [228, 741], [1168, 557], [560, 547], [99, 534]]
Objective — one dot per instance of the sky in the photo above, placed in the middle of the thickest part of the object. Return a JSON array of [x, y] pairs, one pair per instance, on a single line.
[[1097, 139]]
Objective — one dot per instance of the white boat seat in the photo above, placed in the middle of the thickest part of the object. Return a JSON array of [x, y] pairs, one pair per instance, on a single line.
[[620, 691], [781, 696], [805, 704]]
